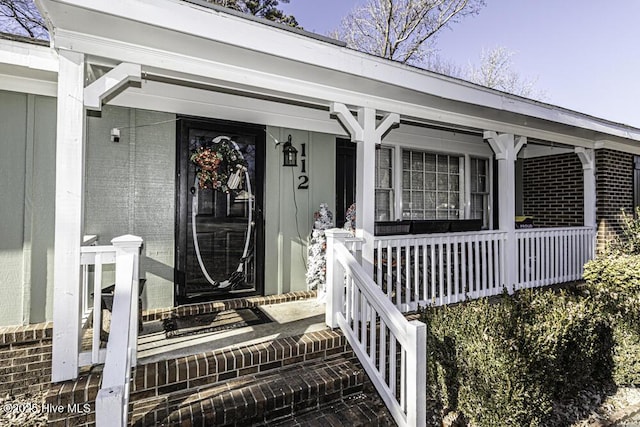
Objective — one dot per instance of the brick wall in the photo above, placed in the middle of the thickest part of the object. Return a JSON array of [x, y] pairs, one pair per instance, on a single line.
[[614, 189], [25, 359], [553, 189]]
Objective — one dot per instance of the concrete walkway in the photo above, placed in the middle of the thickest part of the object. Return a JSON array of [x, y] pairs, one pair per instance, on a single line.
[[288, 319]]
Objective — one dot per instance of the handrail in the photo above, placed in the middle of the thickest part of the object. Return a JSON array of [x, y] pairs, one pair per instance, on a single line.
[[113, 395], [378, 333], [538, 229], [120, 354], [436, 235]]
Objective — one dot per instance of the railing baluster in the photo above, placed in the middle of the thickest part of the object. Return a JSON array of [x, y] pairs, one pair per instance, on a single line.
[[448, 284], [456, 271], [441, 270], [478, 279], [97, 310]]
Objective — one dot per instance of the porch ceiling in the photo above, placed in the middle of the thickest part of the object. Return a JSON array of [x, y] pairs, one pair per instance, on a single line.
[[187, 42]]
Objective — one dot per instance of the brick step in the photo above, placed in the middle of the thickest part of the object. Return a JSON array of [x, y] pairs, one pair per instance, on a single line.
[[363, 409], [255, 399], [197, 370]]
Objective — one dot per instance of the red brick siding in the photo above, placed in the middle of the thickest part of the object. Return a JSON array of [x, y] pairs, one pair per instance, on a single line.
[[553, 190], [25, 359], [614, 191]]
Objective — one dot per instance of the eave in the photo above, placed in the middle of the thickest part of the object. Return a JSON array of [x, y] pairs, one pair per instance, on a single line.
[[179, 39]]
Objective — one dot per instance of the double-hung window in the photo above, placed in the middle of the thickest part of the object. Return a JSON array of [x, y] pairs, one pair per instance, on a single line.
[[384, 184], [479, 190]]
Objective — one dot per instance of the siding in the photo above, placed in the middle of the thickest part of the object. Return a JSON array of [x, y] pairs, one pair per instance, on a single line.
[[27, 196], [130, 189]]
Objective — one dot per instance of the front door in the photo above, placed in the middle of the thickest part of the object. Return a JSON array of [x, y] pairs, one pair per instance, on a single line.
[[219, 231]]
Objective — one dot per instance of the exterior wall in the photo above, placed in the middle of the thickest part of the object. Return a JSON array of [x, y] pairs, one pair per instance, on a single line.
[[289, 211], [130, 189], [614, 189], [27, 197], [553, 190]]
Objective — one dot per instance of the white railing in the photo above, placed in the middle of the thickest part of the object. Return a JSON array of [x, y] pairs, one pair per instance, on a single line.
[[439, 269], [391, 349], [553, 255], [120, 353]]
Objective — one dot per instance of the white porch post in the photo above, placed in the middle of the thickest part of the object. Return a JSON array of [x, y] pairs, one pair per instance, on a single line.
[[366, 133], [68, 216], [506, 147], [587, 158]]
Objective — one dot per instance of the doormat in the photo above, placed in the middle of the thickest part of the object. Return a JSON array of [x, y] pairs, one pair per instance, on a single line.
[[213, 322]]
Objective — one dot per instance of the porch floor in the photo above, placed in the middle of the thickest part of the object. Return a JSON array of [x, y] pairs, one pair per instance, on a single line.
[[287, 319]]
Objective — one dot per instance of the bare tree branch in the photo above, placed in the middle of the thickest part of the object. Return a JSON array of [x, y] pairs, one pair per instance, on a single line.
[[23, 18], [496, 71], [402, 30]]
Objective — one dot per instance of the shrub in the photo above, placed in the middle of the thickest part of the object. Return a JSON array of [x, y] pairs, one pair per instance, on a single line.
[[507, 363], [614, 283]]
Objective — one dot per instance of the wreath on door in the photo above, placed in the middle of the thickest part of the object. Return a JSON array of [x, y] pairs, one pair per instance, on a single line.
[[219, 164]]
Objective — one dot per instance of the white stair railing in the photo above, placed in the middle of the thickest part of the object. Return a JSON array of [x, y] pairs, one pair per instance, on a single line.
[[112, 402], [390, 348]]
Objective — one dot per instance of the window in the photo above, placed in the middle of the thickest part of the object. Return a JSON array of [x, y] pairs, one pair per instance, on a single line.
[[384, 184], [479, 190], [431, 185]]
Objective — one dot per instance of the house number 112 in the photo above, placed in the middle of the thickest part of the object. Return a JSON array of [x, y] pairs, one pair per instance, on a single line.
[[304, 178]]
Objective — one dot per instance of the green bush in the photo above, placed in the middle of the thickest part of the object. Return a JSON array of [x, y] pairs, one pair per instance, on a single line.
[[613, 281], [506, 363]]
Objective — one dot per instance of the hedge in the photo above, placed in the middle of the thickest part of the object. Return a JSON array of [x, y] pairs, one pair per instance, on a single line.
[[506, 363]]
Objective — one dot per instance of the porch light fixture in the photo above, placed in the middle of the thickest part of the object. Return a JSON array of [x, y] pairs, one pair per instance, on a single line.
[[289, 153]]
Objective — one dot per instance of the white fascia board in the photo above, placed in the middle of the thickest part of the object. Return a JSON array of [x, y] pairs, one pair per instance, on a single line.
[[180, 17], [288, 88], [15, 83], [27, 55], [618, 146]]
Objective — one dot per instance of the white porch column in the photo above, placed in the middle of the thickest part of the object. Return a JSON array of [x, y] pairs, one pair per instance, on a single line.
[[68, 216], [506, 147], [587, 158], [366, 133]]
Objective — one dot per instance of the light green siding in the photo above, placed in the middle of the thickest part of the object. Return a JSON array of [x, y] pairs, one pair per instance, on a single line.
[[27, 193], [130, 189], [288, 219]]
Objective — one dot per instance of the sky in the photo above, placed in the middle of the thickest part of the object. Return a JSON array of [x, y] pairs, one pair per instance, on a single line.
[[584, 54]]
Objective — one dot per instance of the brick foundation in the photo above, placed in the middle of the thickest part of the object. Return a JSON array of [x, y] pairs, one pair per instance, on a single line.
[[25, 359], [614, 188], [553, 190]]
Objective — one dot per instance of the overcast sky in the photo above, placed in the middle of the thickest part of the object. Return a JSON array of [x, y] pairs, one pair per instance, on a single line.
[[585, 54]]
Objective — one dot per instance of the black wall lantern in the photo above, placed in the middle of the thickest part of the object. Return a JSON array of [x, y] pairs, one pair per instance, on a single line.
[[290, 154]]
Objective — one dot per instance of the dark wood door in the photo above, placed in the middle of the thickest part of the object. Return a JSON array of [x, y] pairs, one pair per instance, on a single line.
[[219, 235]]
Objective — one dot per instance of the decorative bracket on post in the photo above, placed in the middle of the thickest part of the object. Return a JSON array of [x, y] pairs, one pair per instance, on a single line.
[[586, 156], [111, 84], [367, 133], [503, 143]]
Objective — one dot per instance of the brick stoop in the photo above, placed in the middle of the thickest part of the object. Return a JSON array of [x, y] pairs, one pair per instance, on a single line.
[[266, 397], [218, 370]]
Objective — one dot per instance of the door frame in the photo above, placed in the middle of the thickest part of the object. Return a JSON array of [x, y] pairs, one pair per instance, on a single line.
[[183, 183]]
